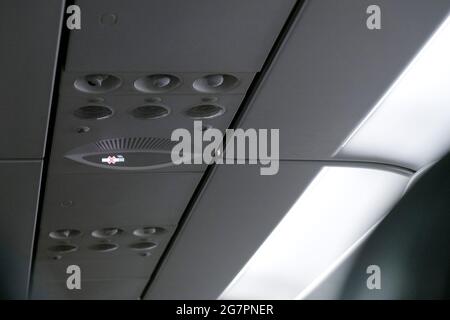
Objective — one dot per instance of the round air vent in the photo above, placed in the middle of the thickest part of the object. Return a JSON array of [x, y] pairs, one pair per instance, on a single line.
[[63, 234], [205, 111], [93, 112], [106, 233], [63, 248], [104, 247], [148, 231], [157, 83], [97, 83], [143, 246], [150, 112], [215, 83]]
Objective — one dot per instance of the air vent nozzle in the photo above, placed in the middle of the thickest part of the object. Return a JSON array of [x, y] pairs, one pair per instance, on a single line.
[[215, 83], [157, 83], [105, 233], [64, 234], [148, 231], [97, 83]]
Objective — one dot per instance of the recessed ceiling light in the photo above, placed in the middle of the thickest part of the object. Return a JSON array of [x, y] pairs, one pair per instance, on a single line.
[[93, 112], [150, 112], [104, 247], [63, 248], [143, 246], [205, 111]]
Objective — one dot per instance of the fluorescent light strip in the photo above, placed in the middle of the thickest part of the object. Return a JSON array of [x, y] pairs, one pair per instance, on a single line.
[[410, 125], [335, 211], [336, 286]]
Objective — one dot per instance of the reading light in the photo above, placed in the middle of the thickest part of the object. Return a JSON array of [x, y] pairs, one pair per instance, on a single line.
[[336, 210], [410, 125]]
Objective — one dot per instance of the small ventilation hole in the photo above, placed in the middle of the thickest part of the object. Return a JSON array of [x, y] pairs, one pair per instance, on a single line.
[[83, 129], [97, 83], [104, 247], [148, 231], [143, 246], [215, 83], [93, 112], [157, 83], [205, 111], [150, 112], [64, 234]]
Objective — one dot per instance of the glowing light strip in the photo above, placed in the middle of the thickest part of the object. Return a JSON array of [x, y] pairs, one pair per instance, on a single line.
[[338, 208], [410, 125]]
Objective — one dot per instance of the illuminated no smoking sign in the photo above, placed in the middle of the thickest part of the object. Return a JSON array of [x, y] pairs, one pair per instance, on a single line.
[[113, 159]]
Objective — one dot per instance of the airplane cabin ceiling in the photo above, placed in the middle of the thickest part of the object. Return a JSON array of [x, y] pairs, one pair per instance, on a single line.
[[136, 71]]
